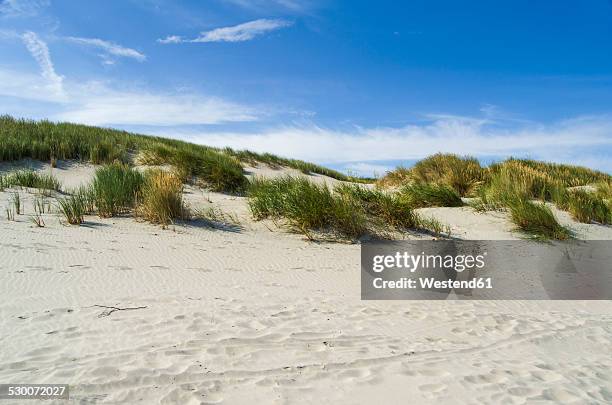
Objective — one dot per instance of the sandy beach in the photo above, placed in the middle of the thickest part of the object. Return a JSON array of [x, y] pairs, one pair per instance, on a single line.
[[127, 312]]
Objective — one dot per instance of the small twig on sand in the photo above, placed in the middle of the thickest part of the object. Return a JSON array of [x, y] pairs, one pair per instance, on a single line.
[[110, 310]]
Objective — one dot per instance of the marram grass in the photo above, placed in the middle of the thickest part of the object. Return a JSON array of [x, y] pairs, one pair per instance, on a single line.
[[419, 195], [161, 198], [115, 188]]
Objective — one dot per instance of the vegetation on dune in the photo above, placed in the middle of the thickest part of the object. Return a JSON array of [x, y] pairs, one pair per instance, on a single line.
[[161, 198], [349, 210], [463, 174], [419, 195], [29, 178], [73, 209], [306, 206], [250, 157], [537, 220], [512, 185], [115, 188], [587, 207], [220, 169], [388, 209], [568, 175]]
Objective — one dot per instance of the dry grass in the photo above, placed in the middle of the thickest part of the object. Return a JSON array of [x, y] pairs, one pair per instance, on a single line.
[[463, 174], [161, 198]]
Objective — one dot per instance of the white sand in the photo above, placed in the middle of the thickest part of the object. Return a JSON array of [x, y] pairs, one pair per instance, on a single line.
[[248, 316]]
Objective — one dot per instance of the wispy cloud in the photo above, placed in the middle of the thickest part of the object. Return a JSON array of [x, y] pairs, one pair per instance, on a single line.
[[109, 49], [21, 8], [98, 104], [236, 33], [102, 103], [40, 52], [575, 140]]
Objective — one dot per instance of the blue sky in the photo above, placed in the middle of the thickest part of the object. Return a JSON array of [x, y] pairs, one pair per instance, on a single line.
[[356, 85]]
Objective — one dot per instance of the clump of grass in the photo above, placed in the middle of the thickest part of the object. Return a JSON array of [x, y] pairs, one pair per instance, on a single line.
[[603, 190], [87, 198], [588, 207], [395, 178], [31, 179], [420, 195], [515, 178], [462, 174], [389, 209], [307, 206], [536, 219], [161, 198], [114, 189], [73, 208], [568, 175], [216, 170]]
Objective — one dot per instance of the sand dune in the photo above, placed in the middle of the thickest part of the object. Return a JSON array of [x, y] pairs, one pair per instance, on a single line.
[[126, 312]]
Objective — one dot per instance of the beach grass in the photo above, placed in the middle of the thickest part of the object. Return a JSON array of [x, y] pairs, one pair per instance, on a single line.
[[115, 188], [514, 185], [306, 206], [536, 220], [31, 179], [349, 211], [389, 210], [221, 168], [161, 198], [419, 195], [73, 208], [462, 174], [589, 207]]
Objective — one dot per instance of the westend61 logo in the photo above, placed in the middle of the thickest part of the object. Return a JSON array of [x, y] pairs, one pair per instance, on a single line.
[[451, 269]]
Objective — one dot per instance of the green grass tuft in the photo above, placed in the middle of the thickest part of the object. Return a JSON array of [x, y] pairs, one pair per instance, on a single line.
[[31, 179], [588, 207], [389, 209], [306, 206], [420, 195], [115, 188], [73, 208], [537, 220]]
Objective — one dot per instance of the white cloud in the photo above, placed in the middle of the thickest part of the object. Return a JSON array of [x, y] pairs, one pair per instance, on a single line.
[[367, 169], [171, 39], [40, 52], [22, 8], [97, 104], [568, 141], [236, 33], [109, 48]]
